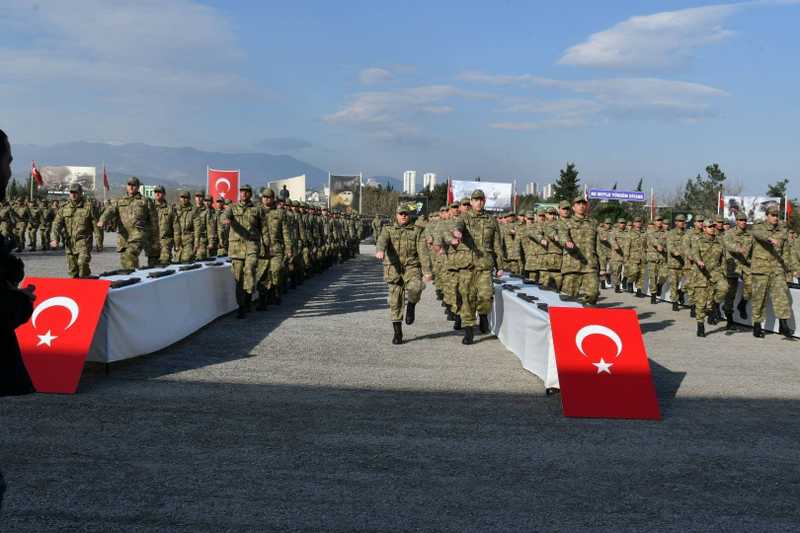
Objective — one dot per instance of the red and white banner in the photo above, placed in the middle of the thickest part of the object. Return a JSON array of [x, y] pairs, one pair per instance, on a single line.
[[602, 364], [56, 340], [224, 183]]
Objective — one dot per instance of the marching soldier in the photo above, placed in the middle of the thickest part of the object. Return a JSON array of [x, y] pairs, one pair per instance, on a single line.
[[48, 216], [769, 273], [165, 213], [618, 238], [403, 251], [688, 242], [656, 242], [77, 220], [708, 283], [222, 229], [21, 216], [508, 236], [34, 221], [275, 243], [578, 234], [99, 233], [738, 245], [6, 220], [202, 226], [604, 251], [187, 230], [675, 260], [634, 251], [529, 246], [244, 219], [553, 254], [213, 226], [136, 224]]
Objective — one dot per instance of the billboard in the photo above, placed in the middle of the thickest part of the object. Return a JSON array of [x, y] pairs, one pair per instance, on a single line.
[[612, 194], [418, 203], [345, 192], [498, 194], [754, 206], [58, 179], [296, 187]]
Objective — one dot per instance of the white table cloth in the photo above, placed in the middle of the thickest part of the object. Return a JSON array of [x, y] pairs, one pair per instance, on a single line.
[[524, 329], [157, 312]]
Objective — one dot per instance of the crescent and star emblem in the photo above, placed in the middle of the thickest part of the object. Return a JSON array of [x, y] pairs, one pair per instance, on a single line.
[[56, 301], [595, 329], [227, 182]]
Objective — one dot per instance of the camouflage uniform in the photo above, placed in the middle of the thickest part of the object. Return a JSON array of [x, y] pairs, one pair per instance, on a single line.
[[634, 251], [167, 226], [604, 249], [275, 243], [222, 229], [6, 220], [553, 255], [617, 238], [675, 261], [244, 241], [137, 225], [708, 281], [187, 232], [203, 226], [77, 220], [99, 233], [21, 216], [656, 242], [738, 247], [689, 238], [34, 221], [579, 264], [769, 270], [48, 216]]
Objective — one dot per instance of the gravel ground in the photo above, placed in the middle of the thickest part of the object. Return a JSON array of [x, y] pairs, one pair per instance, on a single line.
[[307, 418]]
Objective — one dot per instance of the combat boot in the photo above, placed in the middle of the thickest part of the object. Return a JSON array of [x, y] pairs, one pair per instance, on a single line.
[[675, 306], [398, 332], [451, 316], [713, 315], [653, 299], [240, 312], [410, 313], [262, 301], [681, 297], [693, 312], [757, 331], [457, 323], [276, 295], [618, 289], [784, 328], [468, 335], [639, 293], [439, 294], [742, 308], [701, 329], [483, 323], [729, 318]]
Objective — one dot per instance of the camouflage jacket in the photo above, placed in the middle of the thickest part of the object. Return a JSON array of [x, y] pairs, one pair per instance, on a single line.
[[634, 249], [655, 239], [618, 239], [675, 257], [275, 238], [166, 220], [245, 229], [738, 248], [77, 220], [404, 248], [186, 226], [136, 217], [582, 232], [768, 258], [708, 250], [481, 234]]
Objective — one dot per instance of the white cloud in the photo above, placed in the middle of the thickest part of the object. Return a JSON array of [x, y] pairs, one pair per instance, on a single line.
[[659, 40], [540, 125], [371, 76]]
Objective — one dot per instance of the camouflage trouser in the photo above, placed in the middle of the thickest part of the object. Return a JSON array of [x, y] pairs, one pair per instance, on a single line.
[[533, 275], [450, 288], [79, 255], [44, 236], [634, 273], [202, 249], [307, 262], [269, 271], [583, 284], [512, 266], [244, 271], [688, 284], [713, 292], [165, 251], [465, 299], [674, 279], [99, 234], [223, 240], [5, 229], [407, 285], [747, 285], [655, 275], [19, 234], [731, 288], [616, 272], [477, 292], [32, 235], [129, 256], [602, 257], [185, 253], [550, 278], [774, 286]]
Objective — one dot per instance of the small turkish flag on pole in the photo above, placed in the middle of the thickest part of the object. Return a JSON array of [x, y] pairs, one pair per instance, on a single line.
[[602, 364], [105, 179], [36, 175]]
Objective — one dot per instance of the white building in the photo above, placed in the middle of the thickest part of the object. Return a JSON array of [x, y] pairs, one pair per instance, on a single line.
[[410, 182], [429, 181], [547, 192], [532, 188]]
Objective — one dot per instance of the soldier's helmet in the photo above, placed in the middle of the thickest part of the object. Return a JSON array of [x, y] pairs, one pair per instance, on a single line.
[[75, 187], [133, 180], [478, 194], [266, 192], [246, 187], [578, 199], [159, 188], [741, 216], [563, 204]]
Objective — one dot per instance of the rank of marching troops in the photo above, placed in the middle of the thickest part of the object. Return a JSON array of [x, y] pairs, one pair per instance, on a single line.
[[565, 251]]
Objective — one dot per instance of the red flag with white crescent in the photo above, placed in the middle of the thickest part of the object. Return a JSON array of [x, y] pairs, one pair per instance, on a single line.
[[36, 175], [223, 183], [603, 370], [105, 179], [56, 340]]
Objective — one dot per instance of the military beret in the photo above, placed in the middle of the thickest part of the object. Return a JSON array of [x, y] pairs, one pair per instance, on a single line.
[[75, 187], [478, 194], [621, 221], [246, 187], [578, 199], [699, 218], [133, 180], [184, 194], [552, 210], [454, 205], [266, 192], [563, 204], [680, 218], [741, 216], [159, 188], [719, 219], [773, 210], [607, 220], [637, 219]]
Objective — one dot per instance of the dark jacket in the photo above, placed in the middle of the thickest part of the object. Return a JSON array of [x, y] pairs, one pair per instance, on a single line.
[[15, 309]]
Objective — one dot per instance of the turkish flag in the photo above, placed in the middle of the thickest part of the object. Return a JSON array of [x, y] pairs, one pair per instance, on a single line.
[[602, 364], [224, 183], [36, 175], [56, 340], [106, 186]]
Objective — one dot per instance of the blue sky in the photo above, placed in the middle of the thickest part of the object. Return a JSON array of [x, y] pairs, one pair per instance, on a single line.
[[504, 89]]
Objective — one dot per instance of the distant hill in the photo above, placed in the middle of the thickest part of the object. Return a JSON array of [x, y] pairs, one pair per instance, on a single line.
[[170, 166]]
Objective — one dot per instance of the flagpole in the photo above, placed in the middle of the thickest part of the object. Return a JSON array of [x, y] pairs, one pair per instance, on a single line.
[[104, 182], [33, 164]]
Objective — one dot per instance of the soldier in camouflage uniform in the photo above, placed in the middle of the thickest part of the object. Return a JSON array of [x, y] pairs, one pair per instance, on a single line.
[[403, 251], [187, 230], [202, 223], [77, 220], [137, 224], [738, 245], [604, 252], [527, 247], [634, 251], [244, 239], [617, 239], [48, 216], [6, 220], [275, 244], [769, 273], [99, 233], [511, 252], [165, 214], [21, 216], [709, 281], [222, 229], [578, 234], [34, 221], [213, 226], [553, 254], [675, 260], [656, 243], [688, 242]]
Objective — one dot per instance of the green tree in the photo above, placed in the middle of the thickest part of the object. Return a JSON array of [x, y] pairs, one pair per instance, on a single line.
[[778, 190], [437, 197], [639, 185], [566, 188], [701, 193]]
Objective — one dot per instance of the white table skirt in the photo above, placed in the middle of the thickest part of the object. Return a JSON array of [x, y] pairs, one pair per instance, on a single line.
[[157, 312], [524, 329]]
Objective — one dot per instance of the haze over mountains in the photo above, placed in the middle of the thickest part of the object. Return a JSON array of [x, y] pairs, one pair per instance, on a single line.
[[166, 165]]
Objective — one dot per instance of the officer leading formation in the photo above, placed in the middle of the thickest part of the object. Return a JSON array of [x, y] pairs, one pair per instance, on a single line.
[[461, 247]]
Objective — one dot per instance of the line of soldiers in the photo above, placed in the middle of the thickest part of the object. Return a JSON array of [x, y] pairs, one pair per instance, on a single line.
[[564, 250], [30, 223]]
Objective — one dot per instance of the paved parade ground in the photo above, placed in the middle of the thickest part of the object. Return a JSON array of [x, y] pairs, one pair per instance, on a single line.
[[305, 417]]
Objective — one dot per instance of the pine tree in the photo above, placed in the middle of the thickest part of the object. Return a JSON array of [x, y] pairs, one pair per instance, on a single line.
[[566, 188]]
